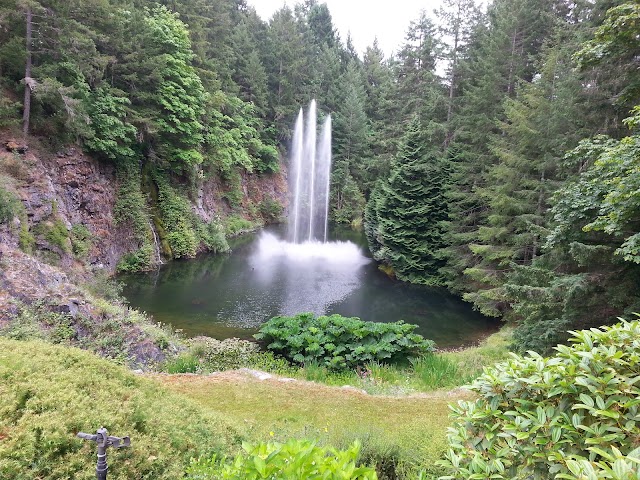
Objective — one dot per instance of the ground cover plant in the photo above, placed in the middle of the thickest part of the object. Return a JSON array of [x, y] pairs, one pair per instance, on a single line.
[[339, 342], [48, 393], [293, 460], [575, 415]]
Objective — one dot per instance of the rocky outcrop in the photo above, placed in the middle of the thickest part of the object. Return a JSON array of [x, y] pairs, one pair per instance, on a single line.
[[41, 301], [75, 189]]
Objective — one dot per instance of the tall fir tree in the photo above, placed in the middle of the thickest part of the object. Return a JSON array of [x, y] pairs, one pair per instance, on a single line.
[[504, 53], [404, 218]]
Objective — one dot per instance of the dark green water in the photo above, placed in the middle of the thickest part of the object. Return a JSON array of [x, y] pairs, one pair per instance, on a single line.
[[231, 295]]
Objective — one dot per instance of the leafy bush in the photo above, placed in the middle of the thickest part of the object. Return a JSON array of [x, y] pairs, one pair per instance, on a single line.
[[270, 210], [137, 261], [9, 206], [341, 342], [48, 393], [213, 237], [573, 416], [294, 460], [236, 225]]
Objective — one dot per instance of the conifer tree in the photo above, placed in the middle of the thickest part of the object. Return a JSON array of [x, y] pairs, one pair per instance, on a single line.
[[544, 121], [503, 53], [406, 212]]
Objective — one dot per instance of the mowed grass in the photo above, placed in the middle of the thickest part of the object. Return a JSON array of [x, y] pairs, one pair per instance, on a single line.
[[404, 434]]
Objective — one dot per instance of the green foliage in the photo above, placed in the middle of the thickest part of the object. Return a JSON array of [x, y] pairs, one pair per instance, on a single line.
[[270, 210], [235, 225], [574, 415], [108, 329], [175, 89], [81, 240], [55, 232], [50, 393], [341, 342], [293, 460], [110, 136], [603, 199], [178, 220], [8, 112], [26, 239], [130, 209], [9, 205], [404, 221], [228, 354], [589, 271], [139, 260], [183, 363], [213, 236]]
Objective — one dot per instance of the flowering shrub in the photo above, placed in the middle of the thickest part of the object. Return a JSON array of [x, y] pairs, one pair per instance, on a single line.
[[572, 416]]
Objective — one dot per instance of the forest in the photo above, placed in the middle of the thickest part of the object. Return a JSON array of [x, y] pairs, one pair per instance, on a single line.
[[496, 153]]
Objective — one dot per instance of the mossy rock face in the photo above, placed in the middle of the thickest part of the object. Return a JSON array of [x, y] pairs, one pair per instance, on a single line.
[[49, 393]]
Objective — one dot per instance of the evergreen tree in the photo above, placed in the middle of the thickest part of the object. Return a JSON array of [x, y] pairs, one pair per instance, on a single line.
[[406, 213], [379, 85], [544, 121], [503, 53], [457, 21]]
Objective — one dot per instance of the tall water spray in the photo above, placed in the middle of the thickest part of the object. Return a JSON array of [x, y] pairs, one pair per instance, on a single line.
[[309, 178]]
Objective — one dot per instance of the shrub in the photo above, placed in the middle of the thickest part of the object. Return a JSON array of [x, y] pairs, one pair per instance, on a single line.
[[270, 210], [137, 261], [573, 416], [55, 232], [341, 342], [9, 206], [26, 240], [236, 225], [49, 393], [213, 237], [294, 460]]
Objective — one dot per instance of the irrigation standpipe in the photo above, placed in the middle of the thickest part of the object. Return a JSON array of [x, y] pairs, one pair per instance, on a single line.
[[103, 440]]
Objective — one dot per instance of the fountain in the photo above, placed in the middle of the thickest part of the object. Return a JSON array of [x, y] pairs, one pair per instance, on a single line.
[[309, 178]]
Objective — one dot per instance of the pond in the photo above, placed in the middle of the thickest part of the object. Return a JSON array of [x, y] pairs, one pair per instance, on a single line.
[[232, 295]]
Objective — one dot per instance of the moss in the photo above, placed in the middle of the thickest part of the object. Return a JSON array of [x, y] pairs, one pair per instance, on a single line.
[[49, 393]]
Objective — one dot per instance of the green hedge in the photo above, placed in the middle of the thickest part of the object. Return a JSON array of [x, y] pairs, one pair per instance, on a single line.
[[341, 342]]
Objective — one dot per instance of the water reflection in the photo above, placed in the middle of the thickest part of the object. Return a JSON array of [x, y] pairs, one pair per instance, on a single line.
[[231, 295]]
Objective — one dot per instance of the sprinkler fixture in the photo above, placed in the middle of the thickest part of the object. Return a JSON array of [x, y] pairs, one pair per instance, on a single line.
[[103, 440]]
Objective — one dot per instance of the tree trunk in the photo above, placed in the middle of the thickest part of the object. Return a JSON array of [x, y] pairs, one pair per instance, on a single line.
[[26, 115]]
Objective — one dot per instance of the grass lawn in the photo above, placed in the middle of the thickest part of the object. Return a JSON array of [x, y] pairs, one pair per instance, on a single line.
[[406, 432]]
